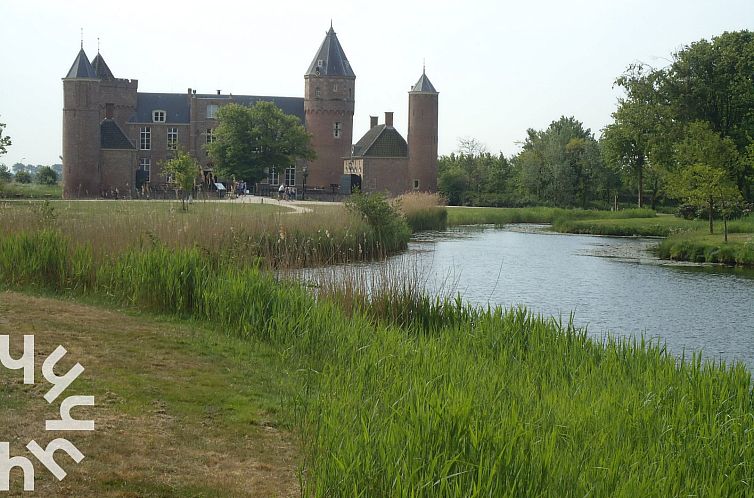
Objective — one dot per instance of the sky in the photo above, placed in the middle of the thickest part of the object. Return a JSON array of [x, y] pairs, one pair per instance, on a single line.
[[501, 67]]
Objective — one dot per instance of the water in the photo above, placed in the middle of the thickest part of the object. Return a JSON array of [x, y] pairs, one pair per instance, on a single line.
[[612, 285]]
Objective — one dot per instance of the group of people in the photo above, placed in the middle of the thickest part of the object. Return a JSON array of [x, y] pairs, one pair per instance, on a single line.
[[286, 193]]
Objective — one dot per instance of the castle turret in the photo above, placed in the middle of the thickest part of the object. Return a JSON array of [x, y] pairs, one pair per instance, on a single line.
[[422, 135], [328, 106], [81, 130]]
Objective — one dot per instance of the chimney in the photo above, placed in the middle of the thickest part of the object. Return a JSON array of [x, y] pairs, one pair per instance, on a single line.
[[372, 122], [389, 119], [189, 91], [218, 92]]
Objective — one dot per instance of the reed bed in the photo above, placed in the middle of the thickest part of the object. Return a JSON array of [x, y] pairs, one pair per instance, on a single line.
[[243, 233], [423, 211], [484, 402]]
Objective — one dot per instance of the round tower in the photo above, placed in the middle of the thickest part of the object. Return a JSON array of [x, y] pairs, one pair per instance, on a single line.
[[422, 135], [329, 96], [81, 130]]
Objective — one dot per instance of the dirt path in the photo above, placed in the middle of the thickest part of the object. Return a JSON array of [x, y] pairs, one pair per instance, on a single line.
[[179, 411]]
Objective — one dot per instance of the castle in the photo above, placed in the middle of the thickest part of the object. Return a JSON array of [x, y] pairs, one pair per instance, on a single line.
[[115, 137]]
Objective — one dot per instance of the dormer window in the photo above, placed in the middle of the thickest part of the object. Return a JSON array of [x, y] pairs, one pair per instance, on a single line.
[[320, 63], [158, 116]]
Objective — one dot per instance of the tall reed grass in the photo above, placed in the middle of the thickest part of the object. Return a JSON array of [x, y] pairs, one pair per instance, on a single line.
[[243, 233], [423, 211], [490, 402]]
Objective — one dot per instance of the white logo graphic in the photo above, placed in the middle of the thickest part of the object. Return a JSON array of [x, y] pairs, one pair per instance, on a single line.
[[46, 456]]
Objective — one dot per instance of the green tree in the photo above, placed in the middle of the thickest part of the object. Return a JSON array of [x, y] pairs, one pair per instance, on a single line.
[[4, 140], [46, 176], [561, 165], [452, 182], [702, 177], [184, 170], [638, 144], [22, 177], [249, 141]]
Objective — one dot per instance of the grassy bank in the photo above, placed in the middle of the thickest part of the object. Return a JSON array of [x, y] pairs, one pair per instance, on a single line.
[[448, 400], [685, 240], [503, 216], [181, 409]]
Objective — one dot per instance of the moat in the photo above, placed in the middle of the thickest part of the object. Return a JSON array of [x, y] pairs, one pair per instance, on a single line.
[[612, 285]]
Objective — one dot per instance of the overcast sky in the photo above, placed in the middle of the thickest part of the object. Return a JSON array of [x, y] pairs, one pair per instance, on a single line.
[[500, 67]]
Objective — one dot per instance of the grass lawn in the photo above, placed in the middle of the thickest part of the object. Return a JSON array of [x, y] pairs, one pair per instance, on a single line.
[[180, 410]]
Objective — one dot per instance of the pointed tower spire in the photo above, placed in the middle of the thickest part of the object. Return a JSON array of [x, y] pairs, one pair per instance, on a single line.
[[100, 68], [81, 67], [330, 59], [424, 85]]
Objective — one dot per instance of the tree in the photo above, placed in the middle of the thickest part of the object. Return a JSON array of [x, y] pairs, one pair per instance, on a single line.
[[22, 177], [4, 140], [703, 176], [184, 170], [638, 143], [561, 165], [47, 176], [250, 141], [5, 174]]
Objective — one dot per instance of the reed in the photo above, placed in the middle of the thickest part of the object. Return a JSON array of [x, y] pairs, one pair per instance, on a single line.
[[423, 211], [243, 233]]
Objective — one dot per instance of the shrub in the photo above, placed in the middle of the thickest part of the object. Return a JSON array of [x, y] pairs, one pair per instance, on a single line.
[[390, 228]]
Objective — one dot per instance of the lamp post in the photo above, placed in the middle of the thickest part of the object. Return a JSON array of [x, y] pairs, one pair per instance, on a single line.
[[305, 173]]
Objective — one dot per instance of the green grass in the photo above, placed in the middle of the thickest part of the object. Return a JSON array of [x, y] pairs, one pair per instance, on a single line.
[[15, 190], [446, 400], [503, 216], [658, 226]]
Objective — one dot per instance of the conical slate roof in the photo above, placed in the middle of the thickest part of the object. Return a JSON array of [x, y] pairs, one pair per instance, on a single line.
[[100, 68], [424, 85], [330, 59], [81, 67]]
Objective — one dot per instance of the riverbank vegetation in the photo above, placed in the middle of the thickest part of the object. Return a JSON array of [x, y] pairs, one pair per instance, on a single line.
[[244, 233], [423, 211], [449, 400]]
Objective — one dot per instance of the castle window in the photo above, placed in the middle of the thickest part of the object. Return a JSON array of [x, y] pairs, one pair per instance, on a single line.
[[337, 129], [172, 138], [158, 116], [317, 92], [145, 138], [109, 111], [290, 176], [210, 135], [335, 87], [320, 63], [416, 184], [212, 111], [144, 165]]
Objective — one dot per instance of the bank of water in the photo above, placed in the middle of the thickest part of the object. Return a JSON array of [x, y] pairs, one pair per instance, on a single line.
[[610, 284]]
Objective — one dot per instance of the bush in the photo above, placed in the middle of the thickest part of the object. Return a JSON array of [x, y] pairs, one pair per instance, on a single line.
[[389, 227], [22, 177], [47, 176]]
